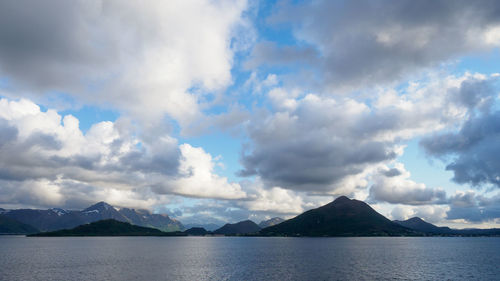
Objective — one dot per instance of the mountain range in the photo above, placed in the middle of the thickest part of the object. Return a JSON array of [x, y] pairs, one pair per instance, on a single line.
[[56, 219], [239, 228], [342, 217]]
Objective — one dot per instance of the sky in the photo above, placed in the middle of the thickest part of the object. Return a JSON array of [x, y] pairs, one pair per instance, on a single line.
[[218, 111]]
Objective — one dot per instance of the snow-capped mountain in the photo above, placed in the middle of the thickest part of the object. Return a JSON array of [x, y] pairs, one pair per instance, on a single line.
[[56, 218]]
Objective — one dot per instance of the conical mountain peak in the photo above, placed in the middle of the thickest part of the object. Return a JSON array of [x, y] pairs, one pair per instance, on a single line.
[[101, 206], [416, 219], [342, 217], [342, 199]]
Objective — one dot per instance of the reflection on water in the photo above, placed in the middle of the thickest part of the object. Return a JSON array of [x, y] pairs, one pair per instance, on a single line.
[[249, 258]]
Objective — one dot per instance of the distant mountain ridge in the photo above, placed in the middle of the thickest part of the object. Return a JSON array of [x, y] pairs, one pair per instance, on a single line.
[[270, 222], [418, 224], [342, 217], [56, 219], [239, 228]]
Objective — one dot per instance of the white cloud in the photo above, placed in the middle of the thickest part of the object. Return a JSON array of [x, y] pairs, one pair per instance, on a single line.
[[140, 57], [198, 178], [395, 186], [46, 160], [273, 200], [430, 213], [257, 86], [325, 145]]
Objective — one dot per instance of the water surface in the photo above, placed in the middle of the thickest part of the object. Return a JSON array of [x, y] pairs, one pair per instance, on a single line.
[[249, 258]]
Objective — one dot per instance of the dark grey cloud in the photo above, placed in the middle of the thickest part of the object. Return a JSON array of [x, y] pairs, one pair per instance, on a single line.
[[471, 214], [475, 94], [9, 133], [472, 152], [40, 41], [307, 160], [361, 43], [163, 160], [407, 195], [474, 208], [43, 140], [314, 146], [392, 172]]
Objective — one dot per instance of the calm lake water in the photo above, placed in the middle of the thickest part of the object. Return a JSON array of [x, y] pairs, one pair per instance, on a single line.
[[249, 258]]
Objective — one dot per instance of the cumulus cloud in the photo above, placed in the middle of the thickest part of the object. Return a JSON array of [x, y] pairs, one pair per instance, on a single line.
[[140, 57], [430, 213], [461, 207], [350, 45], [470, 150], [275, 200], [394, 186], [296, 149], [46, 160], [321, 144], [198, 178]]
